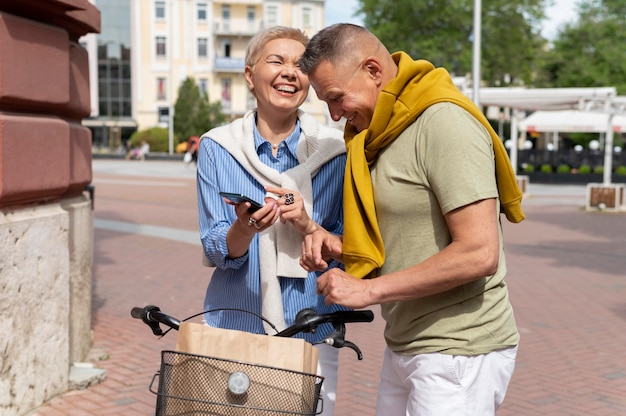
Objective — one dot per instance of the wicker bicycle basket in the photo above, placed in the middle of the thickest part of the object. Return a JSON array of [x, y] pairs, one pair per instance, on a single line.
[[191, 384]]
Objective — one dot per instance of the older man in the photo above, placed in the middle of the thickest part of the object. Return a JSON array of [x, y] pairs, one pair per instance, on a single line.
[[426, 181]]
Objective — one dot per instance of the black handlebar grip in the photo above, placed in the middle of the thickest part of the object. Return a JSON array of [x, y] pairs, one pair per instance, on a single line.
[[137, 312], [358, 316]]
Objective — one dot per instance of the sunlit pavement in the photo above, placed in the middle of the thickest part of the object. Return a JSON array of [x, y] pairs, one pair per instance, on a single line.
[[567, 281]]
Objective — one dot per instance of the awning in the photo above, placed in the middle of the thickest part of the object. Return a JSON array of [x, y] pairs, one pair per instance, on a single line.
[[534, 99], [571, 121], [101, 122]]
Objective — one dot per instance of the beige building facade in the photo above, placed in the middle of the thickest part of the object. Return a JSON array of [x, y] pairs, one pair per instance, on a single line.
[[206, 40]]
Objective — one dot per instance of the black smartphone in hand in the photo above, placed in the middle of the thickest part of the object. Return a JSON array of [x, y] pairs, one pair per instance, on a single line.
[[239, 198]]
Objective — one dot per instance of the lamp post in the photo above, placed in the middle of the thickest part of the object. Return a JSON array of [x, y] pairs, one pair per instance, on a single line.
[[476, 54], [608, 151], [170, 130]]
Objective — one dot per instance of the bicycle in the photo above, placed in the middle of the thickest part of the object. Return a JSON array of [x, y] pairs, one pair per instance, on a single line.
[[217, 386]]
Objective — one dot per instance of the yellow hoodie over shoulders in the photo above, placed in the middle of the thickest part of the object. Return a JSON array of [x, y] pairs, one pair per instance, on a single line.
[[417, 86]]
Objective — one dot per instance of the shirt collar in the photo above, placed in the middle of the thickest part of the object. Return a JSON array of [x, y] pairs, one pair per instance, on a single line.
[[291, 140]]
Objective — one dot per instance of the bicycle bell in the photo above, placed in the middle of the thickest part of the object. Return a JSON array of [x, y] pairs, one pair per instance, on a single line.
[[238, 383]]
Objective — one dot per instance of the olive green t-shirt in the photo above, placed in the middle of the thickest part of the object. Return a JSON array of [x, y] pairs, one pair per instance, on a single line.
[[443, 161]]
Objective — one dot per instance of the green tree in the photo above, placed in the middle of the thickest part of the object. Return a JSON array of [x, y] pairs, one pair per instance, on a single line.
[[511, 39], [590, 51], [209, 115], [442, 32], [185, 109], [156, 137], [193, 113]]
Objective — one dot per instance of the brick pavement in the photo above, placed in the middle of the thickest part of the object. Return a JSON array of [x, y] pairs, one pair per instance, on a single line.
[[567, 278]]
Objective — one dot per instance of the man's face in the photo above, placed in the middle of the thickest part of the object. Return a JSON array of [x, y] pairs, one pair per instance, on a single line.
[[349, 91]]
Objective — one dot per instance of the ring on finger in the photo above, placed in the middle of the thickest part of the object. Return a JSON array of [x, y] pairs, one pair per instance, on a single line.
[[251, 222], [289, 198]]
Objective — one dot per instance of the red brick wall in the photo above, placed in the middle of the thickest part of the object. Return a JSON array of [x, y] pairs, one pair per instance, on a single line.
[[45, 152]]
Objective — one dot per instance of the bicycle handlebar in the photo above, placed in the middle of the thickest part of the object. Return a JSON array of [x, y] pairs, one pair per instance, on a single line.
[[307, 320], [152, 316]]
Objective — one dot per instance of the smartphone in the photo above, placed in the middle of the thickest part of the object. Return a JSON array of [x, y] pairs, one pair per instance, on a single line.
[[239, 198]]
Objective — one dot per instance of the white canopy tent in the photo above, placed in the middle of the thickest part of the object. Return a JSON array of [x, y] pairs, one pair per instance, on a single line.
[[542, 98], [553, 99], [571, 121]]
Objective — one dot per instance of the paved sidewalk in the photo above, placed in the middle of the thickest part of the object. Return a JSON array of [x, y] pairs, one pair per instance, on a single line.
[[567, 279]]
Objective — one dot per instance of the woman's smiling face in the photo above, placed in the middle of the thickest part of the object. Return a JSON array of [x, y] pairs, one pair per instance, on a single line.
[[276, 79]]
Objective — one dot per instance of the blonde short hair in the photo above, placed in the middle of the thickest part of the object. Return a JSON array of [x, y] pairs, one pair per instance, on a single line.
[[258, 42]]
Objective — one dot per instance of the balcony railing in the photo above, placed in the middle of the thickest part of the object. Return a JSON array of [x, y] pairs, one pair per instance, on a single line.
[[237, 27], [229, 64]]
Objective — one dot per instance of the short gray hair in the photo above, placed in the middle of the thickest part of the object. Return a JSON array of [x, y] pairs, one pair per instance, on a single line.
[[329, 44]]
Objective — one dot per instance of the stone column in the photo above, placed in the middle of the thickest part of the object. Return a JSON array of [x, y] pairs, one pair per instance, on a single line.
[[46, 231]]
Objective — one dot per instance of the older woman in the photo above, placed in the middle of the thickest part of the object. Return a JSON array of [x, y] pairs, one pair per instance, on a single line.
[[284, 159]]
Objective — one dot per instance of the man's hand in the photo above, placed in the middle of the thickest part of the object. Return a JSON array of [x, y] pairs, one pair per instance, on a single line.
[[340, 288], [319, 248]]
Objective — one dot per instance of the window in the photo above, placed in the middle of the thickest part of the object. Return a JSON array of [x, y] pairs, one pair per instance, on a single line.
[[203, 86], [307, 17], [226, 17], [203, 49], [115, 108], [226, 83], [272, 15], [161, 49], [115, 91], [202, 12], [251, 19], [159, 10], [161, 89], [114, 87], [226, 48], [113, 63], [164, 115], [125, 68]]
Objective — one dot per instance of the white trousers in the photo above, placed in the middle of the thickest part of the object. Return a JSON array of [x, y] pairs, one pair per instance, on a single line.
[[328, 367], [444, 385]]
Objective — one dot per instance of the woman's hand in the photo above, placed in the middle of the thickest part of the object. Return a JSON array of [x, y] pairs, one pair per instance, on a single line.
[[256, 221], [242, 231], [292, 210]]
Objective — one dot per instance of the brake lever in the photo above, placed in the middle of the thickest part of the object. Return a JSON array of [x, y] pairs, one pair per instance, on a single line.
[[156, 328], [338, 340], [353, 346], [340, 343]]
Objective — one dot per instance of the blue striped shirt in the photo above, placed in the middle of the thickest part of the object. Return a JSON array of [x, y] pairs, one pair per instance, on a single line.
[[236, 281]]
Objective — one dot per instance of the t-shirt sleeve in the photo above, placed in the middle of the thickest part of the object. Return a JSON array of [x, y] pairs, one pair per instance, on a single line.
[[458, 157]]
